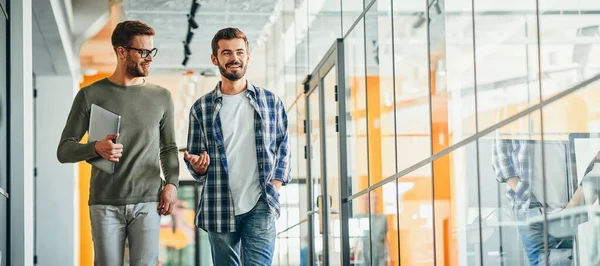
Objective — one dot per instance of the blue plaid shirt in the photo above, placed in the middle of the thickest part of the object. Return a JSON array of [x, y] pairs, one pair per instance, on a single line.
[[515, 158], [216, 210]]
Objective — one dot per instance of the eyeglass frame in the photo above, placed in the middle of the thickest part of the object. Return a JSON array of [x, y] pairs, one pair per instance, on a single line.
[[142, 51]]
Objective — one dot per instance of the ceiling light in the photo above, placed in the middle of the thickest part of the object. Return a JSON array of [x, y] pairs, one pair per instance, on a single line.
[[437, 7], [419, 22], [186, 47], [192, 22], [188, 38], [195, 6]]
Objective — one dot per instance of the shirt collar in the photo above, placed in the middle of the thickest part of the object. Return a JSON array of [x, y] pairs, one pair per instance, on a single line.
[[250, 92]]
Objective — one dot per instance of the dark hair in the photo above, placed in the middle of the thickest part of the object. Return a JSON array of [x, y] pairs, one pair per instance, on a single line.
[[227, 34], [126, 30]]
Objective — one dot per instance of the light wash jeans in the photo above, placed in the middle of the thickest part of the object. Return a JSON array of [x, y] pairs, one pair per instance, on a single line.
[[256, 232], [533, 242], [139, 223]]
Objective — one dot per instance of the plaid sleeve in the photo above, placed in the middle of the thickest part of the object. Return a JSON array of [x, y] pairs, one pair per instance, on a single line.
[[196, 142], [282, 163], [502, 159]]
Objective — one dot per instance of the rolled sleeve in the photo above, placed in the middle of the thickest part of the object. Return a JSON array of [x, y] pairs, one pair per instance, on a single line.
[[196, 142], [502, 160]]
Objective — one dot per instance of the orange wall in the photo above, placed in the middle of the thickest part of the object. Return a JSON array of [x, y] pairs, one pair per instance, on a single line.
[[86, 248]]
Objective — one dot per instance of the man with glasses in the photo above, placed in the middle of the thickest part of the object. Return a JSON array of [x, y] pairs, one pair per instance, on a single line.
[[129, 202]]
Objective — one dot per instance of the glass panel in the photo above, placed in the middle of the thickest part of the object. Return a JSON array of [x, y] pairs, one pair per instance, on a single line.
[[302, 181], [3, 106], [3, 233], [325, 26], [356, 122], [457, 206], [571, 171], [351, 9], [358, 222], [454, 73], [507, 66], [301, 25], [380, 92], [512, 228], [178, 232], [332, 166], [411, 101], [384, 226], [569, 47], [3, 7], [315, 162], [415, 216]]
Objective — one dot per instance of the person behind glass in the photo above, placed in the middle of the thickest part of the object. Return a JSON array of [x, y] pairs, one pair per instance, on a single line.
[[373, 246], [238, 148], [515, 163], [128, 203]]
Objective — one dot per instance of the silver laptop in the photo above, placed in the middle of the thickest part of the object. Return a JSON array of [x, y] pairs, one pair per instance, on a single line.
[[102, 123]]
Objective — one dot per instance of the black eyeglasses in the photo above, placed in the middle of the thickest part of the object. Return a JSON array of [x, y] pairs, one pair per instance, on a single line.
[[143, 52]]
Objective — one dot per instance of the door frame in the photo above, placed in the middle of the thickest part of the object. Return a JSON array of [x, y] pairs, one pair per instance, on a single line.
[[314, 83]]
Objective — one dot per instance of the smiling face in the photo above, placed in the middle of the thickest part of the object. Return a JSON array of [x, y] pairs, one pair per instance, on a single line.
[[136, 65], [133, 44], [232, 58]]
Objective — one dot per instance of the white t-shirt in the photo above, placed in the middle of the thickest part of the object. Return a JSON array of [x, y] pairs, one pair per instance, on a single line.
[[237, 123]]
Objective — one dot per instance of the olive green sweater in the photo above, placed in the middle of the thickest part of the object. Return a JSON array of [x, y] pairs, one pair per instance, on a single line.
[[147, 134]]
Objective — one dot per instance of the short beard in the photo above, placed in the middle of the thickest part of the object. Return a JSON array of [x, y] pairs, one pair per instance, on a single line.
[[234, 76], [134, 69]]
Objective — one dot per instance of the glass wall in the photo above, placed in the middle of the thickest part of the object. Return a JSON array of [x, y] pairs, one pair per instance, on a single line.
[[472, 132], [3, 130]]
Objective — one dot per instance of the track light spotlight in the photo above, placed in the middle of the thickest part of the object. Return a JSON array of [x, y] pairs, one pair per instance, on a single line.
[[188, 38], [195, 6], [420, 21], [192, 22], [185, 60], [437, 7], [186, 47]]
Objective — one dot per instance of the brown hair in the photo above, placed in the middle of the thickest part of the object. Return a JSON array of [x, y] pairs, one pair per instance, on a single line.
[[127, 30], [227, 34]]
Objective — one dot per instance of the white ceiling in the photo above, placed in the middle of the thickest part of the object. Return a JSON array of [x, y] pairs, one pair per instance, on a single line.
[[169, 20]]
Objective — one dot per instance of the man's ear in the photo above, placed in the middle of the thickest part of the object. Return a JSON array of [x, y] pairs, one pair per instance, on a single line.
[[120, 52], [214, 60]]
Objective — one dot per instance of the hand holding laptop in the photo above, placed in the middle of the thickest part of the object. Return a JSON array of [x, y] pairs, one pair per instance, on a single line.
[[108, 149]]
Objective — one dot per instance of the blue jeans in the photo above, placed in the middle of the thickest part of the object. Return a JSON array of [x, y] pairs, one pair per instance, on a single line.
[[255, 230], [533, 242]]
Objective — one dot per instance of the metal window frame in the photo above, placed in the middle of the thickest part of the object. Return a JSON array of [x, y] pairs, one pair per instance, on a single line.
[[315, 84]]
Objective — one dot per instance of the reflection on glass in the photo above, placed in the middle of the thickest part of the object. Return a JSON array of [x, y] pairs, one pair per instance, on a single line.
[[526, 164], [3, 106], [411, 72], [332, 168], [415, 216], [351, 9], [383, 240], [380, 92], [315, 172], [566, 63], [455, 71], [178, 232], [325, 26], [359, 223], [356, 122]]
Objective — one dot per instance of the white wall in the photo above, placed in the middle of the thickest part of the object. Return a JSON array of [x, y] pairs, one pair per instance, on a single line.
[[57, 194]]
